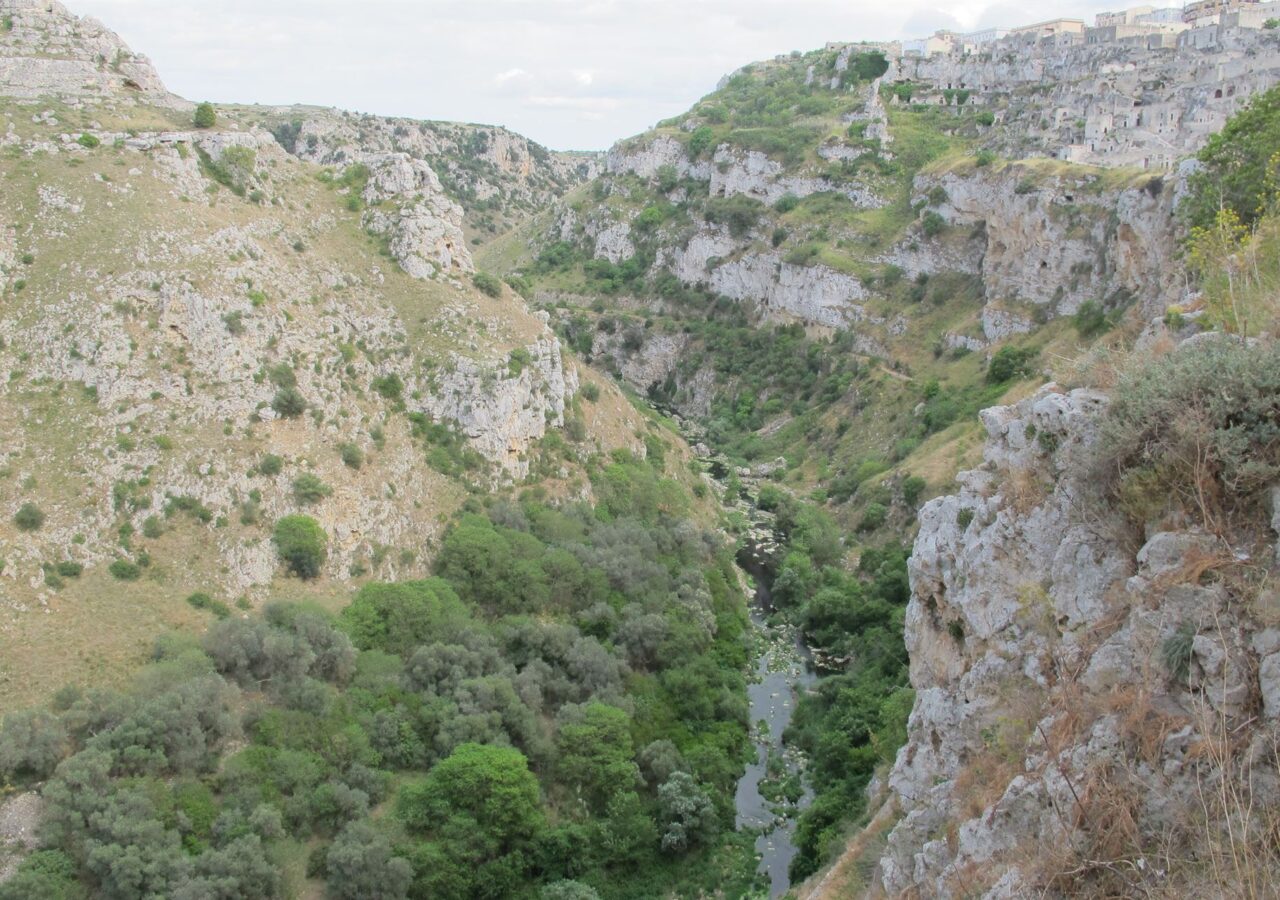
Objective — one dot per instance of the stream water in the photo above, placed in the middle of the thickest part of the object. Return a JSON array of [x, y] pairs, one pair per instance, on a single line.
[[783, 670]]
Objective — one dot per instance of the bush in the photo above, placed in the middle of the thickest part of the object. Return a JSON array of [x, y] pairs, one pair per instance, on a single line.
[[912, 487], [1008, 363], [124, 570], [873, 517], [984, 158], [932, 224], [352, 456], [201, 600], [289, 403], [700, 141], [69, 569], [487, 284], [88, 141], [389, 387], [308, 489], [1090, 319], [1203, 421], [270, 464], [739, 212], [590, 392], [302, 545], [1237, 163], [29, 517], [205, 116]]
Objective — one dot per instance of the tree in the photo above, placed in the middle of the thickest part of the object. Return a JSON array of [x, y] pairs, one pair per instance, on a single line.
[[361, 867], [480, 808], [399, 617], [31, 744], [206, 116], [686, 814], [289, 403], [595, 751], [301, 543], [29, 517], [1238, 165]]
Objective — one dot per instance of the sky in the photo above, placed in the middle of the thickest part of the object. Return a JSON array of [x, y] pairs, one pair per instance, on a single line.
[[571, 74]]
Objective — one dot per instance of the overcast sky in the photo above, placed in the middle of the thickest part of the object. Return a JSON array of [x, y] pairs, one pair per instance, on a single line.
[[572, 74]]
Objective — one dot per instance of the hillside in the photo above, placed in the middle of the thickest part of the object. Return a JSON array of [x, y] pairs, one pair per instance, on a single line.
[[196, 322]]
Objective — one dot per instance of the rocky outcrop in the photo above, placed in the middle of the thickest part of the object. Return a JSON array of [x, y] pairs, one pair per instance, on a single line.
[[48, 52], [491, 172], [1054, 239], [503, 410], [408, 206], [1039, 642]]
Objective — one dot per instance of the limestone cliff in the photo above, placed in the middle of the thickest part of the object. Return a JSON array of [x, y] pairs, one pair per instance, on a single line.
[[45, 51], [1050, 739]]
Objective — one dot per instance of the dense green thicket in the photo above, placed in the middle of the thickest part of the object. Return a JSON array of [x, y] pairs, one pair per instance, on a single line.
[[562, 705]]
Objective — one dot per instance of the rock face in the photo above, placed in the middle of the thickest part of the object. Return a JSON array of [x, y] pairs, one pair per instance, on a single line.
[[1051, 241], [498, 177], [48, 52], [422, 225], [1040, 644]]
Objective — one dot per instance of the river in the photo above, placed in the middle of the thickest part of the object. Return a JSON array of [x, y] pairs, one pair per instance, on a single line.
[[783, 669]]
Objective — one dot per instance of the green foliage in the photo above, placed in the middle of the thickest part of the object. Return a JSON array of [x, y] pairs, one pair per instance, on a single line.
[[125, 570], [1176, 652], [1090, 319], [270, 465], [352, 455], [487, 284], [596, 756], [205, 116], [201, 600], [397, 618], [739, 213], [29, 517], [88, 141], [932, 224], [480, 810], [359, 865], [389, 387], [590, 392], [1010, 362], [1238, 165], [984, 158], [873, 517], [301, 544], [309, 489], [700, 141], [289, 403], [1202, 421]]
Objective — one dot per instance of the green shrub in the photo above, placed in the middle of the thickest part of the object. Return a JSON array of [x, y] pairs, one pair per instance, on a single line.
[[984, 158], [1176, 652], [88, 141], [289, 403], [1237, 165], [739, 212], [389, 387], [932, 224], [873, 517], [270, 464], [69, 569], [487, 284], [1090, 319], [700, 141], [205, 116], [29, 517], [302, 545], [352, 456], [1009, 363], [309, 489], [590, 392], [1202, 421], [912, 487], [964, 517], [786, 203], [124, 570], [202, 600]]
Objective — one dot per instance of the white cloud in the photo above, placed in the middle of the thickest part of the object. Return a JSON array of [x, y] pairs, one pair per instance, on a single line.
[[569, 73], [510, 75]]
